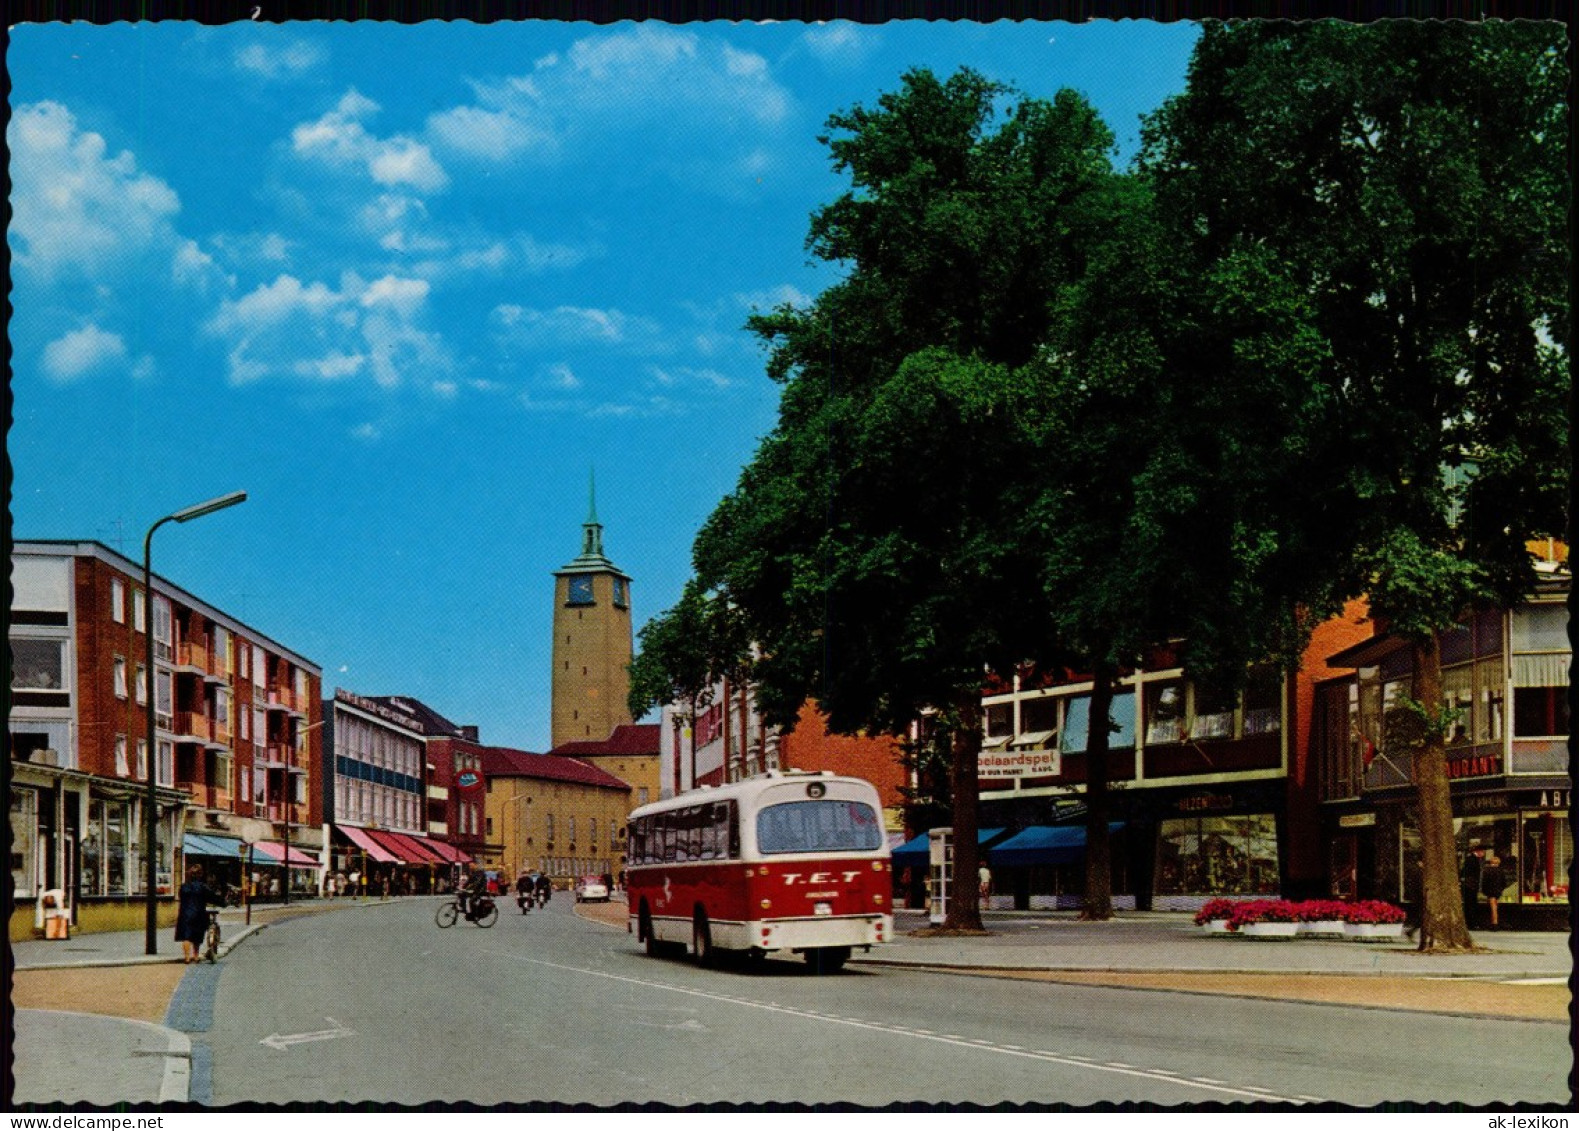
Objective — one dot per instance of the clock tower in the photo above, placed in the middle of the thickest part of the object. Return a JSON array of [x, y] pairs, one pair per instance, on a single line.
[[592, 640]]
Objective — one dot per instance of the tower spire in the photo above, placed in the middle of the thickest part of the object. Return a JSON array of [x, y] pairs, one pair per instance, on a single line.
[[592, 529]]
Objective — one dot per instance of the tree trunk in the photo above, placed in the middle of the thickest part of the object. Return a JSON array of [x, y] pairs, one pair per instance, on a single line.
[[725, 707], [693, 740], [1442, 926], [1098, 904], [964, 910]]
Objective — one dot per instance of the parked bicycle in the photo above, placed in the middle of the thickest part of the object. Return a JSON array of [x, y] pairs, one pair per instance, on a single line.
[[483, 911], [211, 937]]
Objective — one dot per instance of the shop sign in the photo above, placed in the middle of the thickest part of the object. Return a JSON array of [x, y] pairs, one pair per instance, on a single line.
[[1544, 799], [468, 779], [1476, 766], [1205, 802], [1486, 803], [1017, 763], [1356, 820], [1068, 808]]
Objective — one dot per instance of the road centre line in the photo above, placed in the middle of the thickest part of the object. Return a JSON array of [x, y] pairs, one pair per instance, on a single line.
[[1248, 1091]]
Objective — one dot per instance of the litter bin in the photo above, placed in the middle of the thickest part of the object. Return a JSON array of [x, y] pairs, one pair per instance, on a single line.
[[55, 913]]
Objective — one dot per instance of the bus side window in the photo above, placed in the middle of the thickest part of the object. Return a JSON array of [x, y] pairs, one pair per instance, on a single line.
[[734, 831]]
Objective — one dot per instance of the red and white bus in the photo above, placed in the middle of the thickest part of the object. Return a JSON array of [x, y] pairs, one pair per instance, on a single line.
[[788, 860]]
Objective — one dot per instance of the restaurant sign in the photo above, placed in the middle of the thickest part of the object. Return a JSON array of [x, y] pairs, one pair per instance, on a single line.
[[1017, 763], [1475, 766]]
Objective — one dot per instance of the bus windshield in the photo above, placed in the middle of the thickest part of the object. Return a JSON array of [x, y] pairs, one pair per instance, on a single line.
[[818, 826]]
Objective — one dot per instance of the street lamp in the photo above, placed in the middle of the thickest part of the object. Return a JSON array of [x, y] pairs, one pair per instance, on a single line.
[[151, 817]]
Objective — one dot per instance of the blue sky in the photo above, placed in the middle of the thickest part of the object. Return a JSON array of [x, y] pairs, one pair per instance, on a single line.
[[406, 284]]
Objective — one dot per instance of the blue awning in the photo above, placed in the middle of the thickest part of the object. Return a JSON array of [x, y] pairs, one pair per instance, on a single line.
[[1044, 844], [915, 852], [201, 844]]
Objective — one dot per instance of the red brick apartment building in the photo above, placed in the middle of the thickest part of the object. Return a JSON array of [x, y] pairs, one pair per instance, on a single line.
[[238, 754]]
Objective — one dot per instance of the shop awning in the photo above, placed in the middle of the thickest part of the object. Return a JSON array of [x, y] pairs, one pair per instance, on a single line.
[[201, 844], [449, 852], [416, 849], [1044, 844], [274, 850], [395, 845], [367, 844], [915, 852]]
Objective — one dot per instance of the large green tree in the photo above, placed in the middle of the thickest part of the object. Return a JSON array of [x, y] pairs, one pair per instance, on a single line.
[[875, 543], [1409, 181]]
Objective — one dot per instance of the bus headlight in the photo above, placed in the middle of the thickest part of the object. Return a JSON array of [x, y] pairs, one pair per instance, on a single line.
[[766, 904]]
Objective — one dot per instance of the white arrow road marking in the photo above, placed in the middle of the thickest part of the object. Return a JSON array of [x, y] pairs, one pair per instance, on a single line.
[[286, 1040], [1203, 1083]]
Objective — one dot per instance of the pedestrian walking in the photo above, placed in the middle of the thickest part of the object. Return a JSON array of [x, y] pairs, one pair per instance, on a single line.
[[191, 920], [1493, 880], [984, 883], [1469, 879]]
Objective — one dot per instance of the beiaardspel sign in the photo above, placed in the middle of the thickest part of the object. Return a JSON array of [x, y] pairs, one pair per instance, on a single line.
[[1017, 763]]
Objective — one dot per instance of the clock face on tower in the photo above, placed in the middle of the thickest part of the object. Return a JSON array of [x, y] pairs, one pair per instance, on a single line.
[[580, 590]]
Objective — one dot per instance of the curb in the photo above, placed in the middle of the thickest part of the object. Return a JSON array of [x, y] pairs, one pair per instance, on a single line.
[[1195, 971]]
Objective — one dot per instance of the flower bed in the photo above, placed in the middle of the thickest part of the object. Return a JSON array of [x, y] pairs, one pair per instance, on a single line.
[[1263, 911], [1215, 910], [1372, 911]]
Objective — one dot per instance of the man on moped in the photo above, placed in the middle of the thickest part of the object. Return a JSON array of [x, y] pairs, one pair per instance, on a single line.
[[523, 891]]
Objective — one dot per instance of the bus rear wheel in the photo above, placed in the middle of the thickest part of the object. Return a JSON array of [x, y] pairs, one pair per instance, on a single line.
[[827, 959]]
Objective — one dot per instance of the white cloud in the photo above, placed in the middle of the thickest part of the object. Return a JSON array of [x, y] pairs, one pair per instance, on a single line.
[[561, 376], [194, 267], [494, 134], [677, 376], [840, 44], [642, 79], [313, 330], [366, 432], [76, 208], [340, 139], [575, 325], [82, 351], [291, 61]]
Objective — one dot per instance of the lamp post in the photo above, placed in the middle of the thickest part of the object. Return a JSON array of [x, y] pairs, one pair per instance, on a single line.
[[151, 817]]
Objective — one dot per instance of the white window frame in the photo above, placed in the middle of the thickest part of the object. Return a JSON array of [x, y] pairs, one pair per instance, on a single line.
[[121, 689], [117, 600], [142, 759], [121, 767], [139, 610], [142, 686], [166, 763]]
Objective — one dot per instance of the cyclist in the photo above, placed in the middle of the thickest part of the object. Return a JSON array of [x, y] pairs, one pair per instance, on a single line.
[[474, 883]]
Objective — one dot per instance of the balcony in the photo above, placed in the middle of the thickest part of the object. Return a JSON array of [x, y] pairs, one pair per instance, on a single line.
[[286, 699], [192, 656], [193, 724], [207, 796], [221, 732]]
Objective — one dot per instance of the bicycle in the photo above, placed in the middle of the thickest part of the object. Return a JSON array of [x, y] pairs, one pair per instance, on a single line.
[[210, 952], [449, 913]]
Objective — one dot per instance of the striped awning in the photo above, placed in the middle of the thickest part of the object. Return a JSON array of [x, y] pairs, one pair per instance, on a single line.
[[367, 844], [275, 851], [201, 844], [449, 852]]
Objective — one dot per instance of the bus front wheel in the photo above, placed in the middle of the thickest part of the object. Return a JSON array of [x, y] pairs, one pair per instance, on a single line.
[[645, 932], [827, 959]]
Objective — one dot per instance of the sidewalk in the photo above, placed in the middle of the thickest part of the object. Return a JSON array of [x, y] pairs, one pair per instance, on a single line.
[[74, 1051], [1170, 941], [126, 948]]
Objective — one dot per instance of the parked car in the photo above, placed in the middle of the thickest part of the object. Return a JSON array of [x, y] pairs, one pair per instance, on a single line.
[[590, 888]]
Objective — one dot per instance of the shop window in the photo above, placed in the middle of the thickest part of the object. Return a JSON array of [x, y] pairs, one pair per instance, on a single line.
[[1546, 855], [38, 665], [1217, 855], [23, 846], [1164, 713]]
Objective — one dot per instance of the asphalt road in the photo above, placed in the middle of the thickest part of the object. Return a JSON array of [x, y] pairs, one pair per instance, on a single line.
[[384, 1006]]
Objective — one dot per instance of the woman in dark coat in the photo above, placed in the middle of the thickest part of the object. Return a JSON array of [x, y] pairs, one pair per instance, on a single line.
[[191, 922]]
